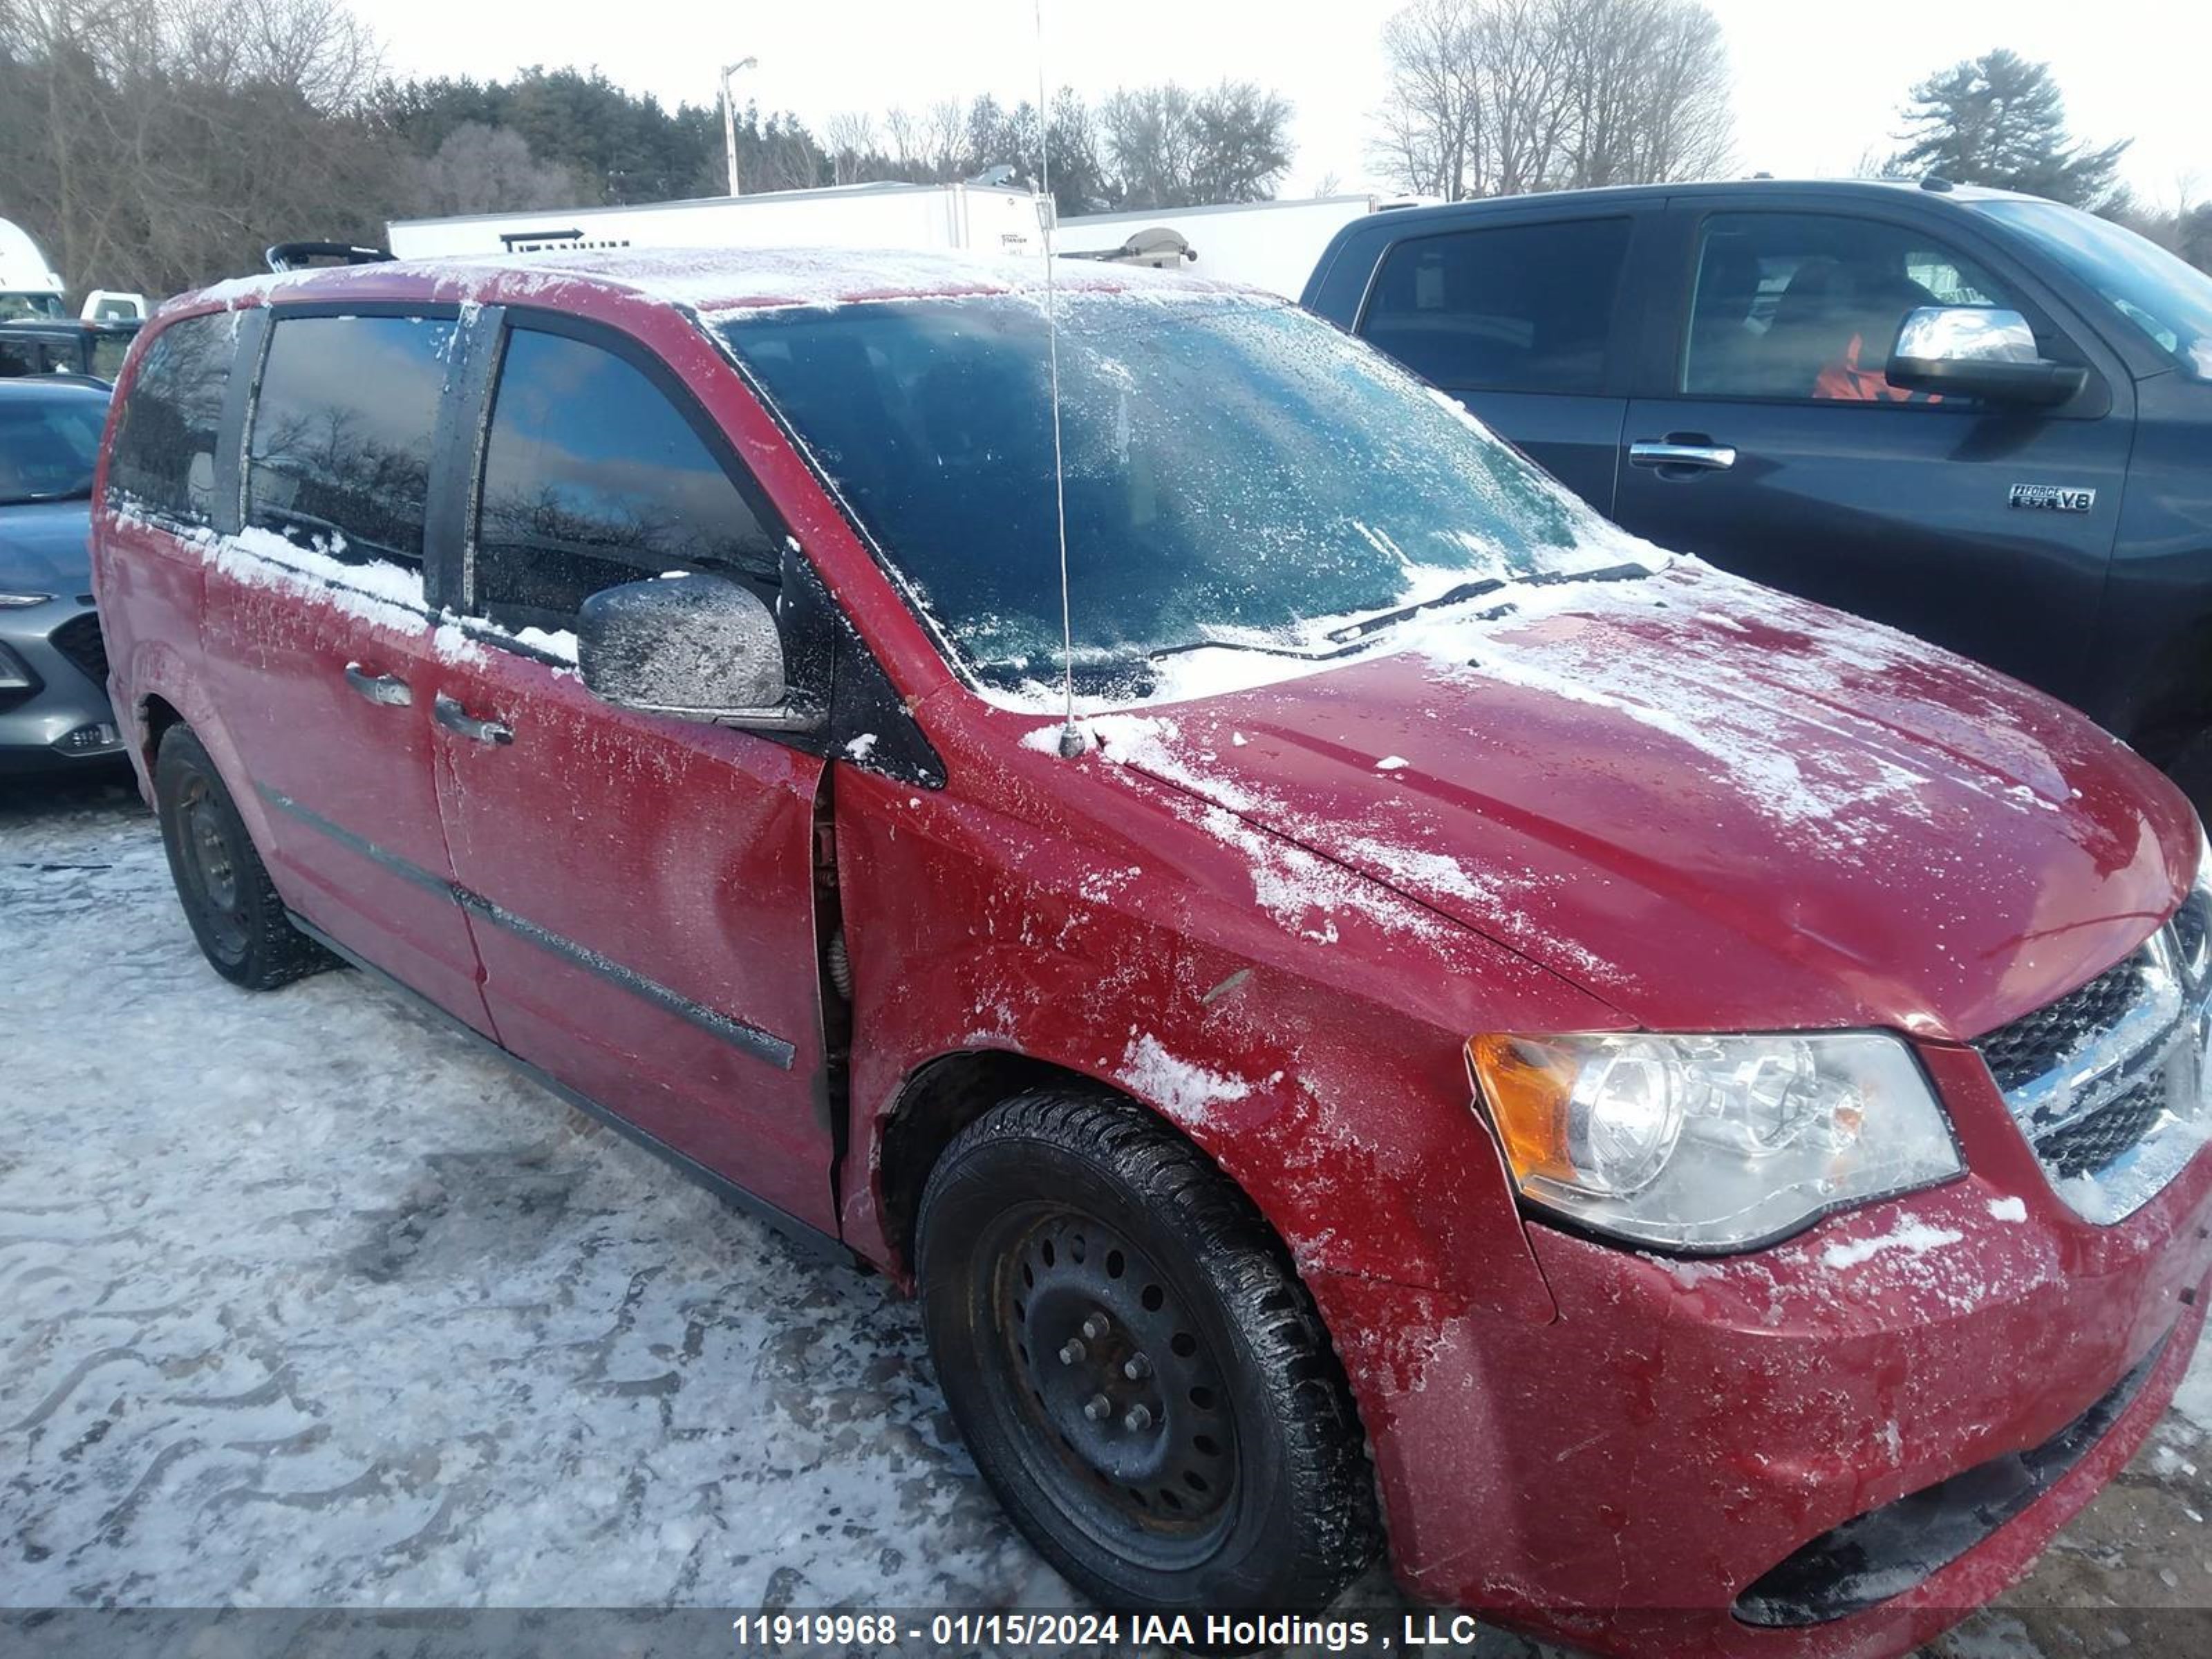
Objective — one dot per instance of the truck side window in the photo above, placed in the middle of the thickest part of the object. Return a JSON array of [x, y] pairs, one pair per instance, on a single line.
[[1517, 308], [163, 459], [591, 477], [340, 455], [1806, 306]]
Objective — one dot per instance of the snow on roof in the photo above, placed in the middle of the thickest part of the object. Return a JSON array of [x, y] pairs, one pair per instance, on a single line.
[[719, 279]]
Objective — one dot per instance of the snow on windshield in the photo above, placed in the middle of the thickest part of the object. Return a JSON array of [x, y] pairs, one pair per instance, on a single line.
[[1240, 478]]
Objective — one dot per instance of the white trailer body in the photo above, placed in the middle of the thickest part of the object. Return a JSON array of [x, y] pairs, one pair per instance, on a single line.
[[1269, 244], [29, 287], [986, 219]]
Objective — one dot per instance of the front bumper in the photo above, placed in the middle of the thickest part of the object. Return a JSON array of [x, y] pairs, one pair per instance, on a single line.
[[54, 712], [1619, 1477]]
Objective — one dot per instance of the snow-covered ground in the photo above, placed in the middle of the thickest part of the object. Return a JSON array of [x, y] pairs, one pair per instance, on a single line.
[[305, 1302]]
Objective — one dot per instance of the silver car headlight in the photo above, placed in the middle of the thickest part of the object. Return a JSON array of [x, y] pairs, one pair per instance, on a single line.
[[1709, 1142], [10, 601]]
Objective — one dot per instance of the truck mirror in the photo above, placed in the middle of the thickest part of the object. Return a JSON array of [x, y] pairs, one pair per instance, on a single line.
[[1978, 351]]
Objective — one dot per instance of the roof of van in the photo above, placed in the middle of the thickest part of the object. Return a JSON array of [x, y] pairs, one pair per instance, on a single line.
[[1939, 189], [714, 280]]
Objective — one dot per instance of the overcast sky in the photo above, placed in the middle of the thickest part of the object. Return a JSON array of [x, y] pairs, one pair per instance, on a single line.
[[1816, 84]]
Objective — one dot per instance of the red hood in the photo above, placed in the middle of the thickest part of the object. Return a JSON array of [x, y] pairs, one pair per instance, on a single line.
[[1710, 804]]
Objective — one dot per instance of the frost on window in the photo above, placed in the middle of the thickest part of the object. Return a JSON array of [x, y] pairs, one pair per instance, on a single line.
[[1237, 473]]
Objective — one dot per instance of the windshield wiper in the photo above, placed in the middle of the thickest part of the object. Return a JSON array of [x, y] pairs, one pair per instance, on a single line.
[[1475, 590], [1351, 636]]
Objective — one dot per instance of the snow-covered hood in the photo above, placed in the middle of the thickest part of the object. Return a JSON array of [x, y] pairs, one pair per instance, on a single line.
[[1710, 804], [43, 546]]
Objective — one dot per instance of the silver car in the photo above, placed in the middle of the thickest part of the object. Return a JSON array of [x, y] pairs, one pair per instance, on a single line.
[[53, 667]]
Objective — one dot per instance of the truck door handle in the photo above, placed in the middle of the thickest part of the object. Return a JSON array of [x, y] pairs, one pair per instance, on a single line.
[[387, 690], [450, 714], [1715, 457]]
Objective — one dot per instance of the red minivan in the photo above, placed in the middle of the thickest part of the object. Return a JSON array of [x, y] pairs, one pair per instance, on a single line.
[[1674, 1111]]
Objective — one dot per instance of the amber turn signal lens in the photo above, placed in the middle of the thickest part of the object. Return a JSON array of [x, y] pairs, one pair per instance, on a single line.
[[1525, 1085]]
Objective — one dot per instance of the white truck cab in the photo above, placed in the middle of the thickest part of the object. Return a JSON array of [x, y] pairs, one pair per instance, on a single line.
[[29, 287]]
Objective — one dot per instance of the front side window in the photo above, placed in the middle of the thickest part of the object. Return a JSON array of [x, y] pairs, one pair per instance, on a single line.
[[1239, 474], [1517, 308], [592, 478], [343, 422], [1805, 306], [162, 462]]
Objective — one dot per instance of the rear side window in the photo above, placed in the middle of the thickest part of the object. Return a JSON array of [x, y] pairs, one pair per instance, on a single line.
[[343, 422], [1516, 308], [162, 463], [592, 478]]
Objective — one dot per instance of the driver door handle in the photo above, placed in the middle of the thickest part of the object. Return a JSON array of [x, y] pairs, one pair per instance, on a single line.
[[450, 714], [388, 690], [1715, 457]]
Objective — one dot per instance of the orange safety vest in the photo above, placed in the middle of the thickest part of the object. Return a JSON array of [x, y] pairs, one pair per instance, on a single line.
[[1845, 381]]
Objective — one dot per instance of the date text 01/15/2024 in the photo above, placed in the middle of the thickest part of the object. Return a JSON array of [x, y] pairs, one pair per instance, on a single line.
[[1083, 1632]]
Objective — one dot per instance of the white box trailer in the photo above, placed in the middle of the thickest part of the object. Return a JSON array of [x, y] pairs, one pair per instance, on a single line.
[[976, 218], [1270, 244]]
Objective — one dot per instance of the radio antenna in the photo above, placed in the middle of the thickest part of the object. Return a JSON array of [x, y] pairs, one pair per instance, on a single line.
[[1071, 742]]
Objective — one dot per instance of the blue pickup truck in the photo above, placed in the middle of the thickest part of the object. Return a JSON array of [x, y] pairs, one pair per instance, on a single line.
[[1982, 418]]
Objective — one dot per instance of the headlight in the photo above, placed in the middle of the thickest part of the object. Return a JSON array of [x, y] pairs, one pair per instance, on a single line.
[[1709, 1142], [10, 601]]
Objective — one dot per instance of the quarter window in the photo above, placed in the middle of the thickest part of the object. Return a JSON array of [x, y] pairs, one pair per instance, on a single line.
[[1517, 308], [163, 459], [592, 478], [343, 422], [1803, 306]]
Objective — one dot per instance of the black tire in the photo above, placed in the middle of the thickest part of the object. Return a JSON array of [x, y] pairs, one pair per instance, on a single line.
[[228, 897], [1247, 1486]]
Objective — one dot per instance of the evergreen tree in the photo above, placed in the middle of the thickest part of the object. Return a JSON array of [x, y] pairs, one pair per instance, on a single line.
[[1998, 120]]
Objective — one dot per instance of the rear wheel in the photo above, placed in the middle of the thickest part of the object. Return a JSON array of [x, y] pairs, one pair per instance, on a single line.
[[1135, 1366], [227, 894]]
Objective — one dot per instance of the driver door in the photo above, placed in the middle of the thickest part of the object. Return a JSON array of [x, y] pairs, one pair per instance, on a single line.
[[1821, 481], [642, 888]]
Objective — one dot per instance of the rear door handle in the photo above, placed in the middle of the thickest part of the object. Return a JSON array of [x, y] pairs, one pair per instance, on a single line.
[[450, 714], [1717, 457], [388, 689]]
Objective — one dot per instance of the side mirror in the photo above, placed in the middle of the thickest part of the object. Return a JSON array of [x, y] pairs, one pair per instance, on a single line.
[[1978, 351], [697, 648]]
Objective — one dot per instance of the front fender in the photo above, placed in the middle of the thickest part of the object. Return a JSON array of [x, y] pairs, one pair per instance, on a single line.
[[1126, 948]]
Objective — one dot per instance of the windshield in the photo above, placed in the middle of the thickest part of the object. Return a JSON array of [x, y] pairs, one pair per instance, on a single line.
[[2166, 298], [48, 445], [1238, 472], [14, 304]]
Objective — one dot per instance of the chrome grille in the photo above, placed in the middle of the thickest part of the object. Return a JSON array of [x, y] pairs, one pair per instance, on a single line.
[[2035, 1043], [2091, 1144], [2096, 1078]]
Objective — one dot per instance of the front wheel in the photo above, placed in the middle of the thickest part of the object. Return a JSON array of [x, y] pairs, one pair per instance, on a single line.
[[1135, 1366]]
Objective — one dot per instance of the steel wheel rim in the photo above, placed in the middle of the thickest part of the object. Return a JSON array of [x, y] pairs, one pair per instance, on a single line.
[[1081, 1315], [202, 839]]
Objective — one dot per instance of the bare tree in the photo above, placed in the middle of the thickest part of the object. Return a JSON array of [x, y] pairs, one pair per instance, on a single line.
[[1500, 97], [157, 144], [850, 139], [481, 169]]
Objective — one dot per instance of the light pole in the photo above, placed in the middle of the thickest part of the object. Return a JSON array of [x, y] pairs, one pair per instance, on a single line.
[[730, 117]]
